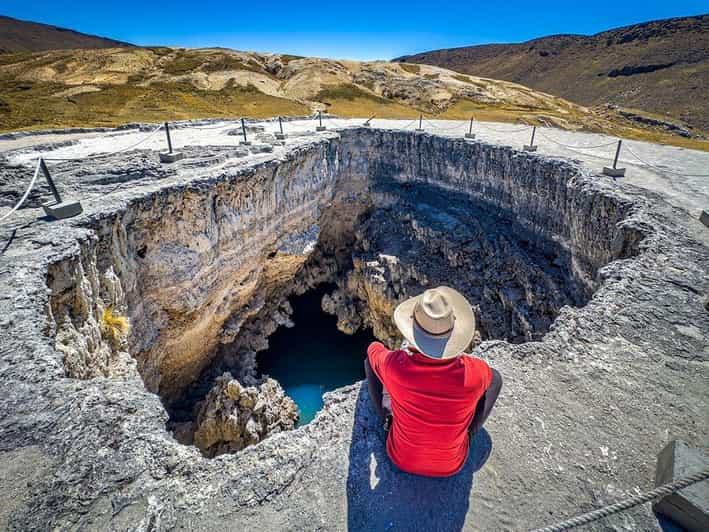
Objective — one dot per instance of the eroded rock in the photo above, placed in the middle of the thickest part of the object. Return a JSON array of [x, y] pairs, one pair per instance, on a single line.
[[233, 416], [606, 279]]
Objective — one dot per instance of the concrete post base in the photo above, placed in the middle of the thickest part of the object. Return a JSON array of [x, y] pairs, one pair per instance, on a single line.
[[419, 130], [280, 136], [614, 172], [527, 147], [470, 135], [704, 218], [245, 143], [320, 128], [167, 157], [65, 209], [688, 507]]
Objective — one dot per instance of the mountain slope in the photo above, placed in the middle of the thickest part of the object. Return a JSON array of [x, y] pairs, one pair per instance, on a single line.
[[117, 85], [660, 66], [24, 36]]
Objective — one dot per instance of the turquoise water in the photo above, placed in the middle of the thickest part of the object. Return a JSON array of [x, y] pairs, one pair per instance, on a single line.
[[313, 357]]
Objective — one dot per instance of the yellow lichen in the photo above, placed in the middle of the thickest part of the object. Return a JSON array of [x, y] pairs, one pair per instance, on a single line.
[[114, 326]]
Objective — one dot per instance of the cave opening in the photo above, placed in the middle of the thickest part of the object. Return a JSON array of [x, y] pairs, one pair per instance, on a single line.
[[313, 356], [257, 292]]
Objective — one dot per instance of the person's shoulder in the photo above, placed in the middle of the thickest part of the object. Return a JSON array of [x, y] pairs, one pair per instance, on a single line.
[[475, 362], [479, 366], [377, 348]]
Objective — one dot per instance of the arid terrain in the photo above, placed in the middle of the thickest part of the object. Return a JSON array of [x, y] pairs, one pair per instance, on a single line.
[[107, 87], [661, 67], [25, 36], [133, 325], [593, 286]]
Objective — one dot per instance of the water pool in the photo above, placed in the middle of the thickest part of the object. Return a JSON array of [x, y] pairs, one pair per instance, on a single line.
[[313, 357]]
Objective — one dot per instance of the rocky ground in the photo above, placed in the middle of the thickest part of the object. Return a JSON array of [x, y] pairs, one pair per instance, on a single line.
[[596, 318]]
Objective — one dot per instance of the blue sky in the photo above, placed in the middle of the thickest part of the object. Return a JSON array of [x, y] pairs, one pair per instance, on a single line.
[[360, 29]]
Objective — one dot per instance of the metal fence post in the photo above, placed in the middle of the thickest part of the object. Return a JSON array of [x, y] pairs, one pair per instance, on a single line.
[[169, 141], [470, 134], [280, 135], [58, 209], [244, 142], [320, 127], [531, 146], [420, 128], [615, 171]]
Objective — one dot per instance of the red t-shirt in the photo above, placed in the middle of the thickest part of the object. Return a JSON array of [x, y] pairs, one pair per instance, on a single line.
[[433, 402]]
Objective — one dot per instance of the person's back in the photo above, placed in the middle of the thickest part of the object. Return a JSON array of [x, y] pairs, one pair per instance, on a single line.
[[433, 403], [438, 396]]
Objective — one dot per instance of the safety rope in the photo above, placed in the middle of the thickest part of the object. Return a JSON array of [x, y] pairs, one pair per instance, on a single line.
[[98, 155], [659, 169], [631, 502], [225, 122], [27, 192], [455, 127], [576, 147], [482, 125], [409, 124]]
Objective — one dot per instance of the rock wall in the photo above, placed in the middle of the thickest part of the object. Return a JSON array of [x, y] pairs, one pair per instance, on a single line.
[[622, 374], [521, 236], [232, 416], [204, 269]]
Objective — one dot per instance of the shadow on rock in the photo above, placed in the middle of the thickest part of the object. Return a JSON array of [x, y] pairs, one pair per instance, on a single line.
[[382, 497]]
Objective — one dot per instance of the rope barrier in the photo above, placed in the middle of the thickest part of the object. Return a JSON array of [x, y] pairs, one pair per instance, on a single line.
[[445, 129], [659, 169], [481, 124], [631, 502], [227, 122], [612, 143], [26, 194], [88, 157], [409, 124]]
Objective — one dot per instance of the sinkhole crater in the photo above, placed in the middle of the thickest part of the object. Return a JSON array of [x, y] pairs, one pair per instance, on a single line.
[[209, 272]]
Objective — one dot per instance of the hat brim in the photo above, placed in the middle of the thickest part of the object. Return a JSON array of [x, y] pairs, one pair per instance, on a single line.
[[438, 346]]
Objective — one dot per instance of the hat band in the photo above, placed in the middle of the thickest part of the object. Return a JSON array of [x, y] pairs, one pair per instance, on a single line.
[[424, 329]]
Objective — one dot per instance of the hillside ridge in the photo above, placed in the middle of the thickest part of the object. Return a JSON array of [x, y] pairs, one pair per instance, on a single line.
[[112, 86], [27, 36], [660, 66]]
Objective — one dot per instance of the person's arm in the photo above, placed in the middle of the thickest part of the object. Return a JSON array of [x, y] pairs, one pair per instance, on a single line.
[[376, 353], [486, 402]]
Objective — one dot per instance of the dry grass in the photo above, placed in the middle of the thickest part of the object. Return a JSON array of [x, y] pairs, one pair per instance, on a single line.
[[411, 69], [461, 77], [287, 58], [221, 62], [183, 63], [352, 102], [152, 92], [464, 109], [27, 105], [114, 326]]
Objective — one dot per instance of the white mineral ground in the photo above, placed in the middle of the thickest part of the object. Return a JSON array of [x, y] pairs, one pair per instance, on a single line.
[[584, 410], [680, 175]]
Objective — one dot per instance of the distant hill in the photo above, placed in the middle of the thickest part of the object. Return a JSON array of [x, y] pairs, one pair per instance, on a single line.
[[104, 87], [24, 36], [660, 66]]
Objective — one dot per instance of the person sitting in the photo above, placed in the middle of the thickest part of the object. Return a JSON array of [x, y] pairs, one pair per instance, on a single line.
[[431, 396]]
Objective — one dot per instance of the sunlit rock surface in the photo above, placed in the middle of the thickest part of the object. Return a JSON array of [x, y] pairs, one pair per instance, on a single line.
[[232, 416], [588, 294]]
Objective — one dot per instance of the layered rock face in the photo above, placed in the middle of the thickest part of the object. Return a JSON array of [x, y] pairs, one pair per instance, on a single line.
[[232, 416], [584, 410], [204, 271]]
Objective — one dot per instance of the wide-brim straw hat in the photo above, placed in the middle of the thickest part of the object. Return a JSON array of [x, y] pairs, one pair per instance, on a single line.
[[439, 323]]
